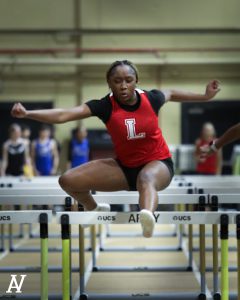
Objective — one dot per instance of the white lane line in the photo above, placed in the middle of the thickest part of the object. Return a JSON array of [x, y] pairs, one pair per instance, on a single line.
[[196, 270]]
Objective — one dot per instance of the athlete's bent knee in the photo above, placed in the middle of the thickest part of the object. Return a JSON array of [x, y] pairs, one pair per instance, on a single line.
[[145, 179], [63, 181]]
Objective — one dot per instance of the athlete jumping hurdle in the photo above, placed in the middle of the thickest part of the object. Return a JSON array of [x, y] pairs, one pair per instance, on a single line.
[[143, 160]]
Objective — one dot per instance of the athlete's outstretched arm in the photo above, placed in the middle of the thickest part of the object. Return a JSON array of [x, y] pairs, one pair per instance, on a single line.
[[232, 134], [212, 88], [52, 116]]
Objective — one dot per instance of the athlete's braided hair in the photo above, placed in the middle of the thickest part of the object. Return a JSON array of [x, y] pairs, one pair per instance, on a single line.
[[121, 63]]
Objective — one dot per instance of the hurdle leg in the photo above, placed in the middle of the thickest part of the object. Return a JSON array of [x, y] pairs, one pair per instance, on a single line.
[[93, 246], [30, 230], [21, 229], [190, 242], [216, 294], [30, 235], [202, 247], [238, 254], [190, 246], [10, 237], [82, 260], [2, 238], [224, 258], [180, 229], [100, 232], [44, 255], [108, 231], [66, 290]]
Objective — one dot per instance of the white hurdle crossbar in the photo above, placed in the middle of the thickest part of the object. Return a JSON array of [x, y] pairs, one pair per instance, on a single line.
[[23, 216], [131, 198], [94, 218]]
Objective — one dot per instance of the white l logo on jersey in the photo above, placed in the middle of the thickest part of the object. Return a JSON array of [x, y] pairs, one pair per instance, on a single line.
[[14, 285], [130, 123]]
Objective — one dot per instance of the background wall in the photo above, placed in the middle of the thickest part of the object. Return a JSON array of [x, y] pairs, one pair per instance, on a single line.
[[60, 50]]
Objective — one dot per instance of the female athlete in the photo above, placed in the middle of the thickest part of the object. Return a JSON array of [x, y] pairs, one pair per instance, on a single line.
[[143, 161]]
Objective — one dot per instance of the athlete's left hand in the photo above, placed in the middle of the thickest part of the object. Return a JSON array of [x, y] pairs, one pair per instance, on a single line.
[[212, 89], [205, 151]]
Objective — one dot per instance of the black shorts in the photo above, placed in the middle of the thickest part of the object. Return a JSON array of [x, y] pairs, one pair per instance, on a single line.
[[131, 174]]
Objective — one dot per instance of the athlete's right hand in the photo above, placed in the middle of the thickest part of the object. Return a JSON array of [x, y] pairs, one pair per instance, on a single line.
[[18, 111]]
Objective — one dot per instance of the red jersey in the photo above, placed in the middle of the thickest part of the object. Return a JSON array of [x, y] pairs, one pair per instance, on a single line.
[[136, 135], [209, 166]]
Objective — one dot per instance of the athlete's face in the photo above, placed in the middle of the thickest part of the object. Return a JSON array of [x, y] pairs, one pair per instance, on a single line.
[[44, 134], [208, 132], [81, 134], [15, 133], [123, 83]]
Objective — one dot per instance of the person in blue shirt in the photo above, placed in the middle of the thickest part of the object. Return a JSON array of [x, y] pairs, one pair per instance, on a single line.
[[78, 151], [44, 152]]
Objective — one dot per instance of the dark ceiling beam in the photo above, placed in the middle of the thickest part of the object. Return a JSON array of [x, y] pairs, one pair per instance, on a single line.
[[88, 31], [157, 51]]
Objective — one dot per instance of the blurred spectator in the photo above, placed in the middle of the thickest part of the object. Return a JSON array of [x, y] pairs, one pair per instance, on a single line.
[[26, 134], [44, 153], [15, 153], [53, 133], [78, 151], [211, 165], [230, 135]]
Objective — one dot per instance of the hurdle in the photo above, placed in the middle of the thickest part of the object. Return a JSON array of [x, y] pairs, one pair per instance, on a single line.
[[10, 182], [201, 218], [43, 217], [201, 200], [22, 197], [34, 186], [41, 200], [172, 192], [173, 199], [211, 188], [53, 193], [177, 231]]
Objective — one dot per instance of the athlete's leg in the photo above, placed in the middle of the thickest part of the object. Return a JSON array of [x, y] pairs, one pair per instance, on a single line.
[[99, 175], [155, 176]]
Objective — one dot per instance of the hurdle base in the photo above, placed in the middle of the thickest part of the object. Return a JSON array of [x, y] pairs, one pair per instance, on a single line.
[[129, 235], [83, 297], [32, 269], [202, 296], [142, 269], [140, 296], [36, 249], [30, 297], [13, 236], [139, 249], [216, 296], [207, 249], [230, 269]]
